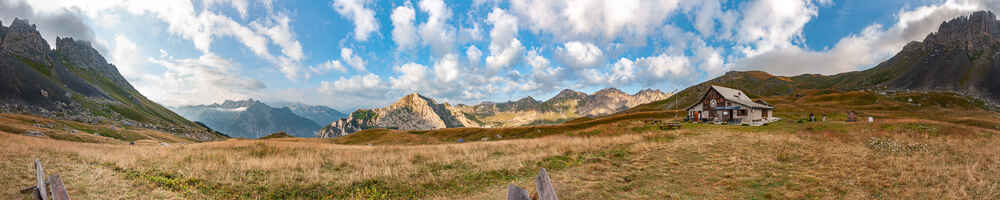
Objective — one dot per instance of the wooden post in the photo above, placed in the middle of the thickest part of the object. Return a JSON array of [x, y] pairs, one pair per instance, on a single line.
[[516, 193], [57, 188], [545, 189], [40, 175]]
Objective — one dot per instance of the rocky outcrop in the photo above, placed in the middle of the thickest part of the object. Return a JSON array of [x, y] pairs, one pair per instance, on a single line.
[[81, 54], [23, 40]]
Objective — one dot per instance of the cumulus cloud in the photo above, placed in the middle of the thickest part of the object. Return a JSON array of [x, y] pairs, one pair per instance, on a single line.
[[412, 76], [404, 32], [473, 54], [124, 54], [363, 17], [352, 59], [544, 76], [356, 83], [435, 31], [327, 66], [578, 54], [594, 19], [504, 48], [446, 69]]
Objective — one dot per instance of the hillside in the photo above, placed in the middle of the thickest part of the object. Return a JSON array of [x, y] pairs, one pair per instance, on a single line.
[[417, 112], [954, 59], [249, 119], [74, 82]]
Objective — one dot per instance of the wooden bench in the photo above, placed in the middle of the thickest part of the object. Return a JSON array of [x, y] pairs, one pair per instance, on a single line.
[[52, 188]]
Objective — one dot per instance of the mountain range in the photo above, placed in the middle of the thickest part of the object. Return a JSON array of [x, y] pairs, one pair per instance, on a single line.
[[74, 82], [254, 119], [962, 57], [418, 112]]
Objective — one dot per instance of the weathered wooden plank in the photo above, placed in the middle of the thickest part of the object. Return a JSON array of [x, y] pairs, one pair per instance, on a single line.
[[516, 193], [545, 189], [57, 188], [40, 175]]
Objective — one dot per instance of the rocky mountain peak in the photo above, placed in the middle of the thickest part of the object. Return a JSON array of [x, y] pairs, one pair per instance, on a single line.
[[80, 53], [968, 31], [239, 103], [412, 99], [24, 40], [528, 99], [610, 91]]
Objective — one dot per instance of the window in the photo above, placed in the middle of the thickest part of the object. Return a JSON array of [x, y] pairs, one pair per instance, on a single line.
[[743, 113], [713, 102]]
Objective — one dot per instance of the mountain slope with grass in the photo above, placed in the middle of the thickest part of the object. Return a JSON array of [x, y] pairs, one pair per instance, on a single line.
[[962, 57], [74, 82]]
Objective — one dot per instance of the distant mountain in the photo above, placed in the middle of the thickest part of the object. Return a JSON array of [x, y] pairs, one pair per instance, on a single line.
[[963, 57], [74, 82], [318, 114], [417, 112], [249, 119]]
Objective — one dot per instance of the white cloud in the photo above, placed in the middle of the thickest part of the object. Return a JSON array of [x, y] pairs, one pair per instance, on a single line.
[[327, 66], [356, 83], [578, 54], [363, 18], [436, 32], [473, 54], [544, 76], [125, 56], [411, 78], [446, 68], [665, 66], [352, 59], [404, 33], [623, 72], [594, 19], [771, 24], [202, 80], [505, 49]]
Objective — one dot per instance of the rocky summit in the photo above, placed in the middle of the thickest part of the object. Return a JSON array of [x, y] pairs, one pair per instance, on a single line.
[[417, 112]]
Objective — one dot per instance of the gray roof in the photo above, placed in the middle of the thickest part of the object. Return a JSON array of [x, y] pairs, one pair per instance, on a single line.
[[736, 96]]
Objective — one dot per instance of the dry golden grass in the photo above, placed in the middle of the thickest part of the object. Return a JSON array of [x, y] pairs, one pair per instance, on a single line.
[[910, 152]]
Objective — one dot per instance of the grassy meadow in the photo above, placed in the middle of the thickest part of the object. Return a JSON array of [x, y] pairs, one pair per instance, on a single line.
[[937, 147]]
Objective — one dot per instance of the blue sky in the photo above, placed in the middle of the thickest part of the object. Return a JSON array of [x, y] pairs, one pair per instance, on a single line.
[[351, 54]]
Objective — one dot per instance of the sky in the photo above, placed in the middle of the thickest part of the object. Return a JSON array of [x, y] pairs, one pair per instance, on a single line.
[[350, 54]]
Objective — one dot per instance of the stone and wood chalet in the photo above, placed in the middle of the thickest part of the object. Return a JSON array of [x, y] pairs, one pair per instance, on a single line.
[[730, 106]]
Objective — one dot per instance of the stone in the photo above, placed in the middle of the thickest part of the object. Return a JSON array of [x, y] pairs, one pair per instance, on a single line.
[[35, 133]]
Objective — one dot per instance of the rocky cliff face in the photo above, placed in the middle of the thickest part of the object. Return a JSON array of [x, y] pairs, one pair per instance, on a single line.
[[23, 40], [416, 112]]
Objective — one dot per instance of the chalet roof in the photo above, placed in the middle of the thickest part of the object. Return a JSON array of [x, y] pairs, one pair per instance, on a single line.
[[735, 96]]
